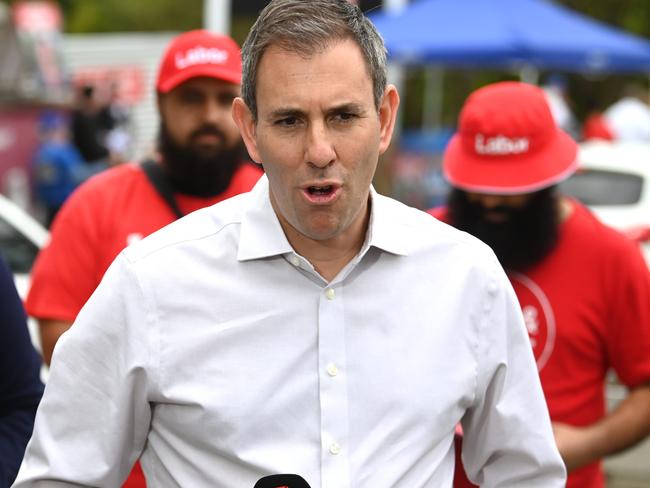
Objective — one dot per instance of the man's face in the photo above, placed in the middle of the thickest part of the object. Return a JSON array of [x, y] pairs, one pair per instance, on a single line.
[[521, 229], [318, 135], [197, 115], [199, 141]]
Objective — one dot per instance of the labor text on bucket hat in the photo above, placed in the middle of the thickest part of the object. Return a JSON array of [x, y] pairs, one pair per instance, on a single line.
[[508, 143], [199, 53]]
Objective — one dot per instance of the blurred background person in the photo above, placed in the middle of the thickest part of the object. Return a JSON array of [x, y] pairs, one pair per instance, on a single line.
[[118, 138], [20, 385], [556, 90], [582, 286], [58, 167], [91, 124], [629, 117], [200, 162], [595, 125]]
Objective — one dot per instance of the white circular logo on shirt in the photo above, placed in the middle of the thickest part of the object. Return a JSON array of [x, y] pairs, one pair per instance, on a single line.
[[538, 317]]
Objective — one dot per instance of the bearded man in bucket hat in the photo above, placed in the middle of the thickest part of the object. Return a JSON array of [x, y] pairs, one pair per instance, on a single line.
[[582, 286]]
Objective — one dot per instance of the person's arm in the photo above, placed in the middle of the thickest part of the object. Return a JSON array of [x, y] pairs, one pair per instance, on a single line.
[[68, 268], [95, 414], [50, 331], [621, 429], [20, 384], [626, 312], [508, 440]]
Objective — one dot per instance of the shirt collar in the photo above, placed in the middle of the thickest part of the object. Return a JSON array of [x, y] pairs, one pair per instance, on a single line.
[[386, 231], [262, 235]]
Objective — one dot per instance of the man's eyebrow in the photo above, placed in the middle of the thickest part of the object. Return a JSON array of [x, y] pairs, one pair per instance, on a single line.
[[282, 113], [351, 107]]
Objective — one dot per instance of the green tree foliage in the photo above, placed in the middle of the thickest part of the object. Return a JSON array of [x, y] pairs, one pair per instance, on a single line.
[[132, 15], [631, 15]]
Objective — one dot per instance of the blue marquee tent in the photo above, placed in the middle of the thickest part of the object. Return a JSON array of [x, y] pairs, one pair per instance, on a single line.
[[508, 34]]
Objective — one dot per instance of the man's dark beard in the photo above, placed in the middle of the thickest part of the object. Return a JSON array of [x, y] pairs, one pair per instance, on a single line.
[[526, 236], [193, 173]]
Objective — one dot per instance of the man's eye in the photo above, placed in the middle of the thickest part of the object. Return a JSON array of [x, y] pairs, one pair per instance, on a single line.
[[191, 97], [226, 100], [345, 117], [287, 122]]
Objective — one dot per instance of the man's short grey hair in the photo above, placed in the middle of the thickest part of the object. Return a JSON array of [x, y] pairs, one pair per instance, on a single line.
[[308, 27]]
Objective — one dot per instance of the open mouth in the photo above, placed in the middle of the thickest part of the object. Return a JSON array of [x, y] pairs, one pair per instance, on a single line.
[[320, 190], [321, 194]]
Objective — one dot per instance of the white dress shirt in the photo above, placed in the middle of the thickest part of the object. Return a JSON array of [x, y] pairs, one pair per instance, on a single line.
[[218, 355]]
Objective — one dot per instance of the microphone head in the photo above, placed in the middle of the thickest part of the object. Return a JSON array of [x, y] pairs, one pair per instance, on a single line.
[[282, 481]]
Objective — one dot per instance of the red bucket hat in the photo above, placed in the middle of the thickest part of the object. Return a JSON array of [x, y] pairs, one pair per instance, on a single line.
[[199, 53], [508, 142]]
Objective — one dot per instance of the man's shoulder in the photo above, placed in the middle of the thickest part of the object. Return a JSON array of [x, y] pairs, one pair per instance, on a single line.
[[425, 232], [585, 225], [110, 185], [594, 239], [113, 177], [196, 232]]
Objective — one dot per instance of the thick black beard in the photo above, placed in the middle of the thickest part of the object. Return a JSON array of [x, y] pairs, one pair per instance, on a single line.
[[193, 173], [527, 236]]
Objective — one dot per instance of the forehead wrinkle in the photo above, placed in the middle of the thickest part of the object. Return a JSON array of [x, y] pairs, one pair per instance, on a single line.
[[287, 81]]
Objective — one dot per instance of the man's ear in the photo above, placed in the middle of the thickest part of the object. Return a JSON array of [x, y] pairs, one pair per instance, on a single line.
[[387, 116], [243, 117]]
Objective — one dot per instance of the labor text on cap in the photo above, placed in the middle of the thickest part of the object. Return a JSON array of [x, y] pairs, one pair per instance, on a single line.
[[200, 55], [500, 145]]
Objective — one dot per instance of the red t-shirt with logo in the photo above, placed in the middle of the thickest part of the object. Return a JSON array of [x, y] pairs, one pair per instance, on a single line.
[[587, 309], [102, 217]]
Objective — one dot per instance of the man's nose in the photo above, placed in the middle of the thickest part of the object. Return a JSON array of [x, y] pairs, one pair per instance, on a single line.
[[490, 201], [213, 112], [319, 147]]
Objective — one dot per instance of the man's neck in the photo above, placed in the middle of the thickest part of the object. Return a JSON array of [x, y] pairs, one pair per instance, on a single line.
[[330, 256]]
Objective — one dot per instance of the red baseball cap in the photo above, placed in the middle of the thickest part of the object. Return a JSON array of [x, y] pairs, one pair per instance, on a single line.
[[508, 142], [199, 53]]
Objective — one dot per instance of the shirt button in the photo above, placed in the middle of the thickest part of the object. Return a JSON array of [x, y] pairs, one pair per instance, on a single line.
[[332, 370], [294, 260], [335, 448], [330, 294], [492, 288]]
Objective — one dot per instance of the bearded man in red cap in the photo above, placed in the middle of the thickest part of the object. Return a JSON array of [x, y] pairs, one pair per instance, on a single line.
[[582, 286], [199, 162]]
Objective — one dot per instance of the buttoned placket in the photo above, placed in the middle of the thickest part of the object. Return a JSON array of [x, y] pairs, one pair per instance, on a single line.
[[333, 387]]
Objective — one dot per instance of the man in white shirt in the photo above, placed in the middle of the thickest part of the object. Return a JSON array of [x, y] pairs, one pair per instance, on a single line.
[[310, 326]]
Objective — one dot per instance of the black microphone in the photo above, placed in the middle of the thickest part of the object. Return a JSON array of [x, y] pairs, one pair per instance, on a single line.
[[282, 481]]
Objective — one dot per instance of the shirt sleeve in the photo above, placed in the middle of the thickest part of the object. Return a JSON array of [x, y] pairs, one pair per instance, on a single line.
[[68, 269], [95, 415], [20, 384], [628, 332], [508, 440]]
